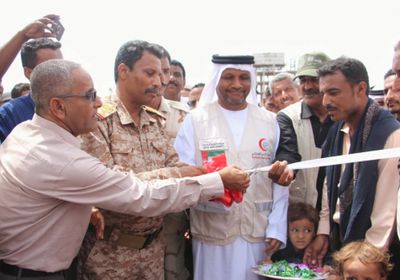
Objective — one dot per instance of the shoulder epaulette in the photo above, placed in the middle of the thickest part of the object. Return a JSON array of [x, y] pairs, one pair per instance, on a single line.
[[106, 110], [178, 105], [154, 111]]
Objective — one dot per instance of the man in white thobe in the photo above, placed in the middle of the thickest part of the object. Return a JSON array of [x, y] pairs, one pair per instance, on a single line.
[[229, 128]]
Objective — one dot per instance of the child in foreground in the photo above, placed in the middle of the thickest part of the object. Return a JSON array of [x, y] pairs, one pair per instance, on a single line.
[[360, 260], [302, 225]]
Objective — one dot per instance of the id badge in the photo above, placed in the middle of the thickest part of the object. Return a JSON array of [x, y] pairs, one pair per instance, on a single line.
[[213, 156], [213, 153]]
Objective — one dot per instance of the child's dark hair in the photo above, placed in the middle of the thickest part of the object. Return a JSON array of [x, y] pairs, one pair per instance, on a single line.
[[300, 210]]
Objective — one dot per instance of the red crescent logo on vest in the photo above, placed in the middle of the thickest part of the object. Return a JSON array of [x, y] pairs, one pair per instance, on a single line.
[[263, 144]]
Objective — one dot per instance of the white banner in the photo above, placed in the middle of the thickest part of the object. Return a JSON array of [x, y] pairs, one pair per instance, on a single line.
[[343, 159]]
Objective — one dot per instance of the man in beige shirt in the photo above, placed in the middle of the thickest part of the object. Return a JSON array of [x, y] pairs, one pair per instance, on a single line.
[[174, 111], [359, 200], [48, 185]]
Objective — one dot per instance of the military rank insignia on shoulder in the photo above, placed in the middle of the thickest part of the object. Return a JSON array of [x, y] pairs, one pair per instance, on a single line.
[[106, 110], [154, 111]]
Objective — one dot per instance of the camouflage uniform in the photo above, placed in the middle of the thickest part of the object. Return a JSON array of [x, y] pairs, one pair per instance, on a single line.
[[122, 144], [175, 224]]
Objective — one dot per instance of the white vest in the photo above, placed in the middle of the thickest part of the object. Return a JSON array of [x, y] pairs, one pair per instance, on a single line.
[[248, 219], [304, 187]]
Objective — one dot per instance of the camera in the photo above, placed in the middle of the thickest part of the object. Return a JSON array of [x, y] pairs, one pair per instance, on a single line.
[[58, 29]]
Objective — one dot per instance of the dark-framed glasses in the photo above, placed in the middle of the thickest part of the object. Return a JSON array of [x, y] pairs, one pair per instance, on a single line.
[[89, 95]]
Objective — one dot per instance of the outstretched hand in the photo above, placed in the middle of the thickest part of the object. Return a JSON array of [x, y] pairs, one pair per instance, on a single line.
[[234, 178], [280, 173], [316, 251]]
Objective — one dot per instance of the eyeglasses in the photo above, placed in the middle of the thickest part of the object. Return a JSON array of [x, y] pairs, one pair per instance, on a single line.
[[90, 95]]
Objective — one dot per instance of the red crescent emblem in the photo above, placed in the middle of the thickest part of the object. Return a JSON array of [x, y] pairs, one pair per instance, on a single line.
[[260, 144]]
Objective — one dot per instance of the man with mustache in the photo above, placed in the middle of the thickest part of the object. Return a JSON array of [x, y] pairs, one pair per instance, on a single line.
[[44, 213], [174, 111], [392, 97], [131, 136], [229, 128], [176, 82], [359, 199], [300, 122], [175, 225], [388, 80]]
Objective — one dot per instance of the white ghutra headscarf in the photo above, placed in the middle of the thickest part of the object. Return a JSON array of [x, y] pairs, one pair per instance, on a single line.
[[209, 93]]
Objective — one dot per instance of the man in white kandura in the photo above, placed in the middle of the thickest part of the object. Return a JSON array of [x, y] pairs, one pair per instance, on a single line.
[[229, 128]]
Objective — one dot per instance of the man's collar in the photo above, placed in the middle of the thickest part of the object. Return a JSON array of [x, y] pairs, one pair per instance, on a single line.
[[125, 116], [306, 111], [62, 132], [345, 128], [164, 107]]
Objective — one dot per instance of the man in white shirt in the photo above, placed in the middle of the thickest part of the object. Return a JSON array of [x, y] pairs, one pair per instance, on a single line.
[[228, 128], [48, 185]]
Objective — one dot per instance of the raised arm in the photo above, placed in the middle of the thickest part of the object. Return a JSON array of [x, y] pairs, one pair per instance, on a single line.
[[43, 27]]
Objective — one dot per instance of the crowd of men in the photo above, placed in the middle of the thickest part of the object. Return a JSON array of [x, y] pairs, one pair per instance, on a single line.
[[145, 185]]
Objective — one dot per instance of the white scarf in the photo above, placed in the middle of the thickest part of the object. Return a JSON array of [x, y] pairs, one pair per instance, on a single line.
[[209, 93]]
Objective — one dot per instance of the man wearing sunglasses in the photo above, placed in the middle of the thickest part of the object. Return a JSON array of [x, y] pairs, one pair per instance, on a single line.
[[44, 213]]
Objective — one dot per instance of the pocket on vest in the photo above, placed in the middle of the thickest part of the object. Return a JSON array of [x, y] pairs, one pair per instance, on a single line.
[[262, 210]]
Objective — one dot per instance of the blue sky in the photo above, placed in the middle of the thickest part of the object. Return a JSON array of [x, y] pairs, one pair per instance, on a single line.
[[194, 30]]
